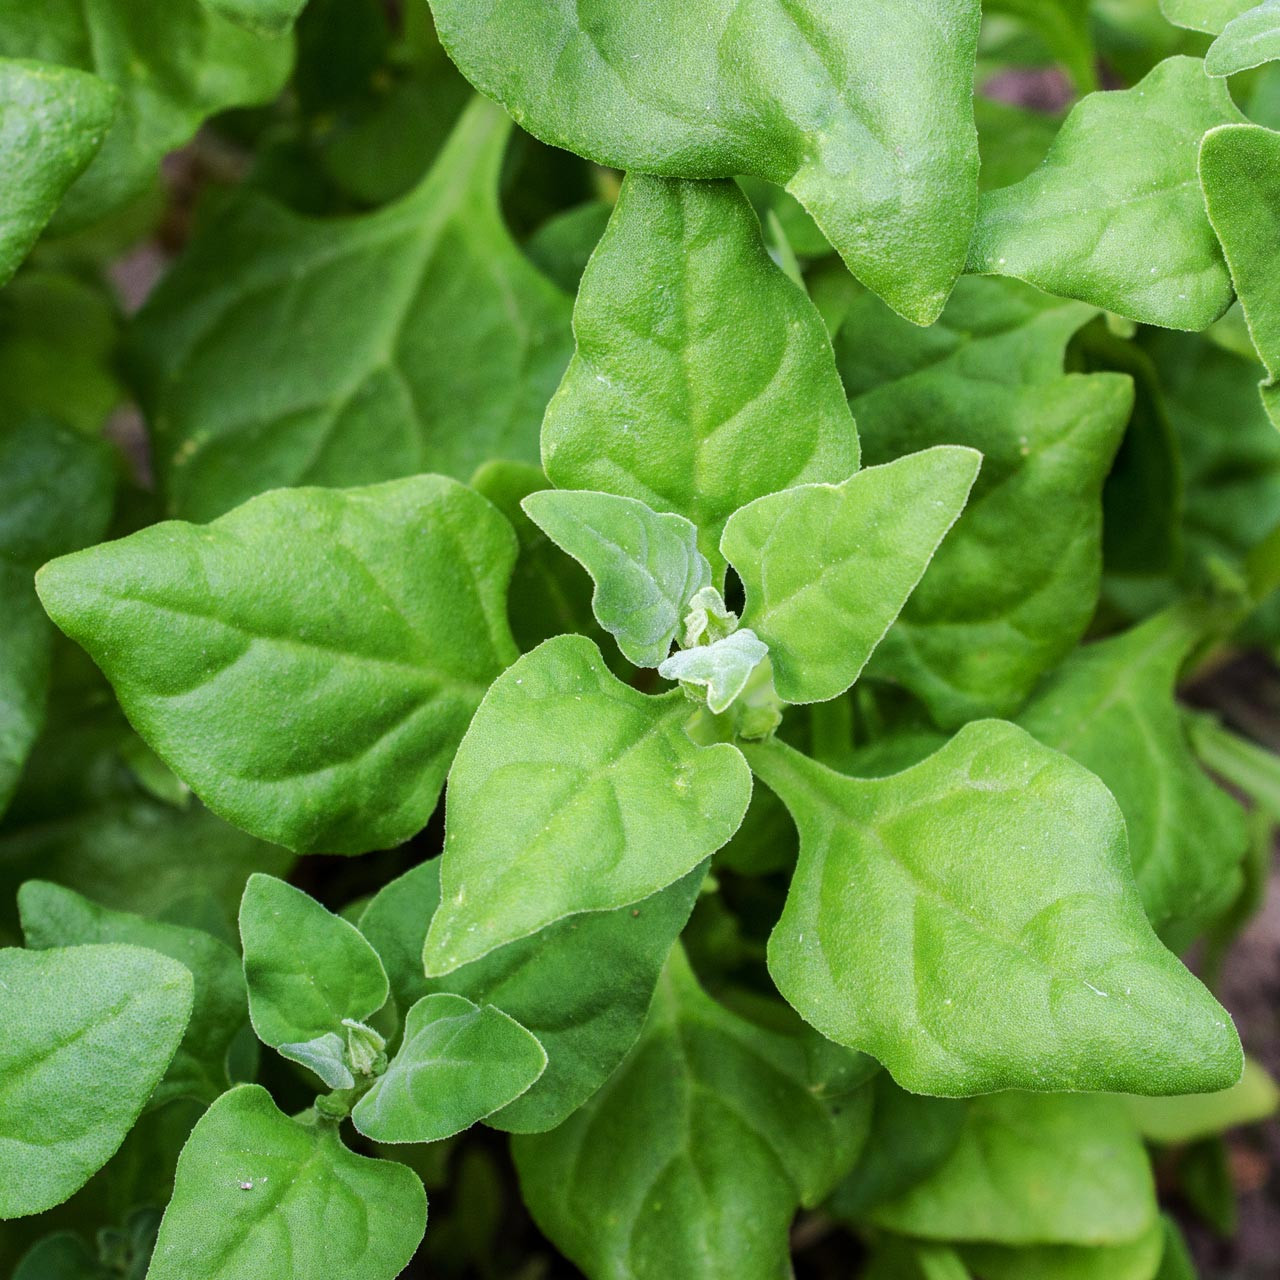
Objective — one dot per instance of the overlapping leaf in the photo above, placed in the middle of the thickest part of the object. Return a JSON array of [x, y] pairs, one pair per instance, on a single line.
[[989, 890], [572, 792], [863, 112], [703, 376], [286, 351], [1114, 215], [309, 662]]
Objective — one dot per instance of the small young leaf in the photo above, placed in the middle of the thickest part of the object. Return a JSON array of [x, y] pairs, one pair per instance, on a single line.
[[693, 350], [315, 697], [582, 986], [56, 917], [88, 1032], [1188, 1118], [55, 496], [827, 568], [1034, 1169], [989, 890], [1114, 215], [694, 1156], [1246, 41], [1111, 707], [52, 122], [306, 968], [1013, 585], [254, 1187], [572, 792], [325, 1055], [343, 351], [863, 112], [646, 566], [722, 667], [1240, 173], [457, 1063]]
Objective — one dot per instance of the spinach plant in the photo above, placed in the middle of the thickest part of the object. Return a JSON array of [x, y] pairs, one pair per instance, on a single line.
[[720, 561]]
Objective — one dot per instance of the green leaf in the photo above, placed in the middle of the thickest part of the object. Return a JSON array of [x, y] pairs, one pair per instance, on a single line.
[[314, 699], [722, 667], [255, 1187], [1035, 1169], [266, 17], [897, 1259], [1011, 589], [1247, 41], [1137, 1260], [1210, 16], [458, 1063], [88, 1032], [52, 122], [63, 1256], [703, 376], [581, 986], [1176, 1263], [1252, 1099], [646, 567], [325, 1055], [694, 1156], [989, 890], [268, 357], [862, 112], [306, 968], [1114, 215], [1111, 707], [56, 489], [572, 792], [53, 916], [827, 568], [170, 76], [1240, 173]]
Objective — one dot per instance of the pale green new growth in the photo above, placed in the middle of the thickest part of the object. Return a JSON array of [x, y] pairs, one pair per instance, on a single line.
[[307, 970], [1247, 41], [458, 1063], [646, 567], [989, 890], [326, 1055], [827, 568], [254, 1187], [862, 111], [703, 376], [1114, 215], [87, 1034], [572, 792], [1252, 1099], [52, 122], [722, 668], [1210, 16], [308, 662], [709, 1108]]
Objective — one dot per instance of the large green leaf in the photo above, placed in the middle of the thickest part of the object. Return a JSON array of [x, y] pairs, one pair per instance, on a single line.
[[56, 917], [1111, 707], [863, 112], [1012, 587], [1034, 1169], [1137, 1259], [56, 489], [582, 986], [306, 968], [695, 1155], [703, 376], [170, 76], [457, 1063], [308, 662], [1240, 172], [286, 351], [52, 122], [827, 568], [646, 566], [1246, 41], [989, 890], [572, 792], [256, 1190], [1114, 215], [88, 1032]]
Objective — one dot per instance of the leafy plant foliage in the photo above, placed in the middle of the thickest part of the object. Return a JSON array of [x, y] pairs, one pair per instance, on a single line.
[[731, 518]]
